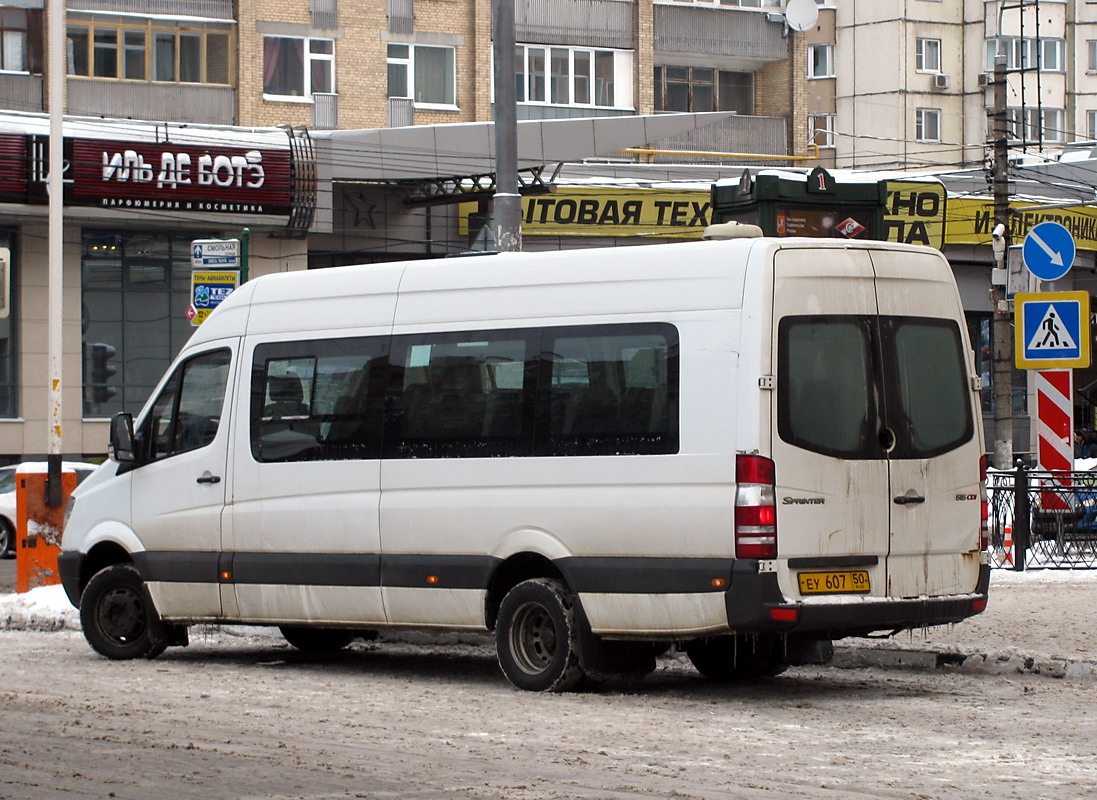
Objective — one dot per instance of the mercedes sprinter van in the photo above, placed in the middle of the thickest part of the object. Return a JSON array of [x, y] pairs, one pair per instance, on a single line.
[[746, 449]]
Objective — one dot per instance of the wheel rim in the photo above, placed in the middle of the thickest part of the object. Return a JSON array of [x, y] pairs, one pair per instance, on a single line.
[[533, 638], [121, 614]]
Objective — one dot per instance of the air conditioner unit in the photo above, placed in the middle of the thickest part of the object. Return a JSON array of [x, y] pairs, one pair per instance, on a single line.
[[940, 81], [985, 79]]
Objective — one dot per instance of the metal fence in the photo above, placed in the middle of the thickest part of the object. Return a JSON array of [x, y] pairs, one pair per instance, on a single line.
[[1043, 519]]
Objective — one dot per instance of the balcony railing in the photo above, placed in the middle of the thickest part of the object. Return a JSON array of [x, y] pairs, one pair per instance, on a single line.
[[593, 23], [211, 9]]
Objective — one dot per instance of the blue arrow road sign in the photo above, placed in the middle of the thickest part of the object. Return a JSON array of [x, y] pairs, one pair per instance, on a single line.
[[1049, 251]]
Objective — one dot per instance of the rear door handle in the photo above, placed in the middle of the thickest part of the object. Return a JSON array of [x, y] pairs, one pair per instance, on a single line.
[[909, 499], [207, 478]]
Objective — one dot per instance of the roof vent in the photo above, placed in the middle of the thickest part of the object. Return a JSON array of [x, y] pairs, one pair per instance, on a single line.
[[732, 230]]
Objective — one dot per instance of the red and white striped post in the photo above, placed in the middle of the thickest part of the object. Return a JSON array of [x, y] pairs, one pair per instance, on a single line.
[[1055, 419], [1055, 429]]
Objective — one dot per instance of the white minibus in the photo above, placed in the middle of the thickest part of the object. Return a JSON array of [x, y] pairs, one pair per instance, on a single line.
[[745, 449]]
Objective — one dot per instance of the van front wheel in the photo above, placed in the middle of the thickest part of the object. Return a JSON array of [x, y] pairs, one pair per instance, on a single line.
[[536, 636], [118, 617]]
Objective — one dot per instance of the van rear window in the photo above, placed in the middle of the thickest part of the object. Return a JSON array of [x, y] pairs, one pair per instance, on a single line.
[[865, 387], [826, 388]]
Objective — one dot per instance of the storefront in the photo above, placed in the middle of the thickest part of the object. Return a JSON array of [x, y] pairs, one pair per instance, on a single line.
[[136, 195]]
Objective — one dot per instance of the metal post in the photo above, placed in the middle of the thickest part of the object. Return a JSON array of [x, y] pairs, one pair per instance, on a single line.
[[1002, 337], [245, 242], [507, 214], [55, 183], [1021, 517]]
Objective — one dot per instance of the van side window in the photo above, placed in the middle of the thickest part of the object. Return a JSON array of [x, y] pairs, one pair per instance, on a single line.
[[611, 390], [187, 412], [462, 395], [311, 401]]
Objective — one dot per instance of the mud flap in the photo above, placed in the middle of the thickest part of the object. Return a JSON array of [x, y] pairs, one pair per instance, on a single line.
[[601, 658]]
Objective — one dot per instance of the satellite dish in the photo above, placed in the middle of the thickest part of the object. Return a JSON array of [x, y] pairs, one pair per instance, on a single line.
[[801, 15]]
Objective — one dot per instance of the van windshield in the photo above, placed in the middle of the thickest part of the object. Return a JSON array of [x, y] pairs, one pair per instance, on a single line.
[[845, 382]]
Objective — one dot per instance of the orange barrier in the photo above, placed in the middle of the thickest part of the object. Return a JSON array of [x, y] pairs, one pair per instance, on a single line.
[[38, 529], [1007, 545]]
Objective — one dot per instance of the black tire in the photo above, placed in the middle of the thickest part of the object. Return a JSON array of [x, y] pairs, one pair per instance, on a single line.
[[118, 617], [318, 640], [536, 635], [7, 539], [736, 658]]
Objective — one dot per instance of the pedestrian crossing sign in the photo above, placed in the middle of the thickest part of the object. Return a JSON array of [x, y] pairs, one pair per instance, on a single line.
[[1051, 330]]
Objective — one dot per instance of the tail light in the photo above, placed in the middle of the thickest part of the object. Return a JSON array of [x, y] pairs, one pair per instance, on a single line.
[[755, 508], [984, 506]]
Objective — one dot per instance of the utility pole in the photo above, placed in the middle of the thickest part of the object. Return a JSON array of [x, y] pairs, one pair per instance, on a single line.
[[1002, 338], [54, 312], [507, 212]]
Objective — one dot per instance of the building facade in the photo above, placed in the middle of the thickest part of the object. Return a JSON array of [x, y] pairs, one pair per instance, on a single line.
[[912, 79]]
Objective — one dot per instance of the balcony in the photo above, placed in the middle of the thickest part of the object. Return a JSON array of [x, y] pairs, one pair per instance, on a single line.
[[209, 9], [589, 23], [21, 92], [699, 31], [164, 102]]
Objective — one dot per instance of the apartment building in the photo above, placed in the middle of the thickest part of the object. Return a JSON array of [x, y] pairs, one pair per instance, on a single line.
[[910, 79], [388, 63]]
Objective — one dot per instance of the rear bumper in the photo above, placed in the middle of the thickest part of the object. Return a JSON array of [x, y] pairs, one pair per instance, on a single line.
[[755, 604]]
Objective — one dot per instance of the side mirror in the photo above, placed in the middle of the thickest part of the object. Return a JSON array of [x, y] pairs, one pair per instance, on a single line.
[[121, 438]]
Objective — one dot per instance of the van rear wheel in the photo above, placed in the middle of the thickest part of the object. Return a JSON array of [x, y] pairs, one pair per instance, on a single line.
[[736, 658], [536, 637], [317, 640], [118, 617]]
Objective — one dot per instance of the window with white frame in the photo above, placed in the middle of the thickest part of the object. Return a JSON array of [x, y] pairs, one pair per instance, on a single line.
[[1027, 53], [927, 125], [298, 66], [423, 73], [821, 61], [927, 57], [1091, 50], [573, 76], [1091, 125], [1037, 124], [821, 129]]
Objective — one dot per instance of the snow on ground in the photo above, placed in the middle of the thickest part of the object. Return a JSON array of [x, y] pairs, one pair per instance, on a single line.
[[46, 608]]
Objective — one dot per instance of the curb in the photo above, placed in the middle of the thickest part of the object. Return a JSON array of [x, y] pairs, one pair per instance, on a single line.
[[976, 663]]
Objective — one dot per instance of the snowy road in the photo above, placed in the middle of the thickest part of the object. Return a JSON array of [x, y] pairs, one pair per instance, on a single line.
[[244, 716]]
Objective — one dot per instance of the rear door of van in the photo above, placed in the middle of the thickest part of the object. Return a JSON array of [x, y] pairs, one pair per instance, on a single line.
[[873, 432], [933, 464]]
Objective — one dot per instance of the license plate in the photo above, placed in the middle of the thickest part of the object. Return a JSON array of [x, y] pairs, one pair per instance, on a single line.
[[851, 582]]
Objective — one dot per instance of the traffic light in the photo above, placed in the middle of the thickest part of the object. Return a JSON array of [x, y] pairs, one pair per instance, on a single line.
[[101, 372]]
